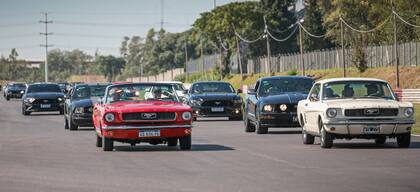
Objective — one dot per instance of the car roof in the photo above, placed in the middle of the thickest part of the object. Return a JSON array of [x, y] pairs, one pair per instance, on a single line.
[[285, 76], [350, 79], [177, 82], [93, 84], [211, 82]]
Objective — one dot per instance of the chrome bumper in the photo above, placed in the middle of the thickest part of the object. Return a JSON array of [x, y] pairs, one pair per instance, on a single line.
[[146, 127]]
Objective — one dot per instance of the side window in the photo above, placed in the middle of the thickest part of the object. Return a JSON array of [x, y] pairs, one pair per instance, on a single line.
[[315, 91]]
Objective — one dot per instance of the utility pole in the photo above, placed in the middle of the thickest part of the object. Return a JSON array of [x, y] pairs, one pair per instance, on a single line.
[[268, 46], [161, 14], [46, 45], [186, 60], [202, 56], [397, 60], [342, 47], [238, 54], [302, 63], [214, 3]]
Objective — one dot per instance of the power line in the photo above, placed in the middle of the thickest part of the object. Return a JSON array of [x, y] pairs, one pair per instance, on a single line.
[[403, 20], [18, 36], [88, 35], [285, 39], [310, 34], [245, 40], [366, 31]]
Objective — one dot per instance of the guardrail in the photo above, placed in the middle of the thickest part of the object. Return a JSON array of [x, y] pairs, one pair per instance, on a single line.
[[410, 95]]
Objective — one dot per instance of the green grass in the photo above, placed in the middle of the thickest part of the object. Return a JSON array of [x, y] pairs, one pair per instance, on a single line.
[[416, 127]]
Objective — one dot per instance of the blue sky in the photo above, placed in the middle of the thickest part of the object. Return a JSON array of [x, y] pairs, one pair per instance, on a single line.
[[90, 24]]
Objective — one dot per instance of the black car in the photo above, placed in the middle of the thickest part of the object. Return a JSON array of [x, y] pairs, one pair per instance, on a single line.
[[63, 86], [214, 99], [14, 90], [41, 97], [272, 102], [79, 103]]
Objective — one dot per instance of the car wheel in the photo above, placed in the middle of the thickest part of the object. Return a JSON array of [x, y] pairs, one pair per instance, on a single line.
[[7, 98], [172, 142], [98, 141], [194, 118], [260, 129], [404, 140], [307, 138], [185, 142], [61, 111], [66, 123], [380, 140], [24, 112], [107, 144], [326, 138], [72, 126], [248, 125]]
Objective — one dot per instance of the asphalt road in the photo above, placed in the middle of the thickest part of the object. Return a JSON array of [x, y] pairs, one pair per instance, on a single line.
[[37, 154]]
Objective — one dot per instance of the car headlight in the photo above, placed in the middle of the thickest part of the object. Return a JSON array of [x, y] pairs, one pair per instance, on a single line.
[[331, 113], [268, 108], [109, 117], [408, 112], [283, 107], [186, 116], [78, 110], [196, 102], [237, 101], [22, 92], [30, 100]]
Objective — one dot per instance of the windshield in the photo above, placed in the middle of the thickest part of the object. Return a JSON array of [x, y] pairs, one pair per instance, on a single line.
[[18, 86], [178, 87], [141, 92], [43, 88], [200, 88], [89, 91], [284, 85], [357, 89]]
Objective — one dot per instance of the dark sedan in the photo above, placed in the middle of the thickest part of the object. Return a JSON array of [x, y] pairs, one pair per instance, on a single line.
[[273, 102], [14, 90], [214, 99], [41, 97], [79, 105]]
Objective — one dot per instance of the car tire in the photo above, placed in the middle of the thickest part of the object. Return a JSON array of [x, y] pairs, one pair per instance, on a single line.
[[98, 141], [260, 129], [380, 140], [66, 123], [307, 138], [24, 112], [7, 98], [325, 137], [62, 112], [404, 140], [107, 144], [72, 126], [185, 143], [172, 142], [249, 127], [194, 119]]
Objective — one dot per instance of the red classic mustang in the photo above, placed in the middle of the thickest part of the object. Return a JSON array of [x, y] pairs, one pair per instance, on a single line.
[[142, 112]]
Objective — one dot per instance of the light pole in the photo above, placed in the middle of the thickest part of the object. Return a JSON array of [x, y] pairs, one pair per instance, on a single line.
[[302, 62]]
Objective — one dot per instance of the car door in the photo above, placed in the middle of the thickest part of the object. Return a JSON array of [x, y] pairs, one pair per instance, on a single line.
[[67, 103], [312, 108], [252, 99]]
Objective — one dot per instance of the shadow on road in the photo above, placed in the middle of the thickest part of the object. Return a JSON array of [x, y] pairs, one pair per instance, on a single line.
[[160, 148], [84, 129], [286, 132], [388, 145], [44, 114]]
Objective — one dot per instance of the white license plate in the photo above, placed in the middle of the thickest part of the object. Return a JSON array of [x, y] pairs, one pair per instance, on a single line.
[[217, 109], [149, 133], [295, 119], [45, 106], [371, 129]]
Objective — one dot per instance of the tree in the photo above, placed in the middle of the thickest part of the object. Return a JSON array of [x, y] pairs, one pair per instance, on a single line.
[[313, 22], [111, 66]]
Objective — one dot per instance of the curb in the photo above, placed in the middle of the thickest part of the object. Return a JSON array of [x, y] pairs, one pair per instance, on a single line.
[[415, 135]]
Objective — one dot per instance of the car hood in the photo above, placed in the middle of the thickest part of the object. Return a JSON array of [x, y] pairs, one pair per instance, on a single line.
[[223, 96], [16, 89], [147, 106], [45, 95], [284, 98], [84, 102], [365, 103]]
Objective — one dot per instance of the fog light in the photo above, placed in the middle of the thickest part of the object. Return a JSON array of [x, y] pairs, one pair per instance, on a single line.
[[332, 129], [110, 133], [196, 112], [237, 111]]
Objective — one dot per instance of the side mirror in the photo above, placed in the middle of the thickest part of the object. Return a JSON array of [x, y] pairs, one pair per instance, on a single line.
[[239, 91], [396, 97], [185, 91], [251, 92], [313, 97]]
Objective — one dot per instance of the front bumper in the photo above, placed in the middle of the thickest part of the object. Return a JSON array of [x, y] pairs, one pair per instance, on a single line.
[[356, 127], [37, 107], [279, 119], [14, 95], [123, 132], [84, 119], [200, 111]]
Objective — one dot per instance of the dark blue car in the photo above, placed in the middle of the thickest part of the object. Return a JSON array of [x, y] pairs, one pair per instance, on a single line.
[[272, 102]]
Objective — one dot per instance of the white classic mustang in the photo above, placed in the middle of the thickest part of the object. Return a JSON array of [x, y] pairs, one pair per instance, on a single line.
[[346, 108]]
